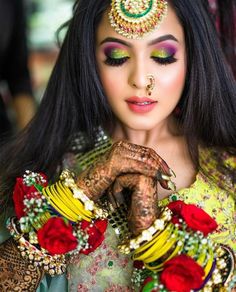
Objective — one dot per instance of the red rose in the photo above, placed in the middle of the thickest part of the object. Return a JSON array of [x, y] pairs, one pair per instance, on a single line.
[[196, 218], [19, 194], [57, 237], [176, 208], [96, 232], [182, 274]]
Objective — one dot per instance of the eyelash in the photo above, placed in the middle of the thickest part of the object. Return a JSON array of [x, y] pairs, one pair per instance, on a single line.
[[165, 61], [115, 62], [120, 61]]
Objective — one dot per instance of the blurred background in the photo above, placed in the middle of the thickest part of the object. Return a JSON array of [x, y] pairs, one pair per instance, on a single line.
[[28, 50], [43, 20]]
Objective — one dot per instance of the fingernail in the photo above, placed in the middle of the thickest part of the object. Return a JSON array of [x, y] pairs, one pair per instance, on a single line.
[[165, 177], [172, 173], [171, 185]]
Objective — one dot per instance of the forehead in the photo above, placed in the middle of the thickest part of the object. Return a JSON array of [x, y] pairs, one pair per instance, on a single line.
[[169, 25]]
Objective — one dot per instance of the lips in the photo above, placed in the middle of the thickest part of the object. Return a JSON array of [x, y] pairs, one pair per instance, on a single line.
[[141, 104]]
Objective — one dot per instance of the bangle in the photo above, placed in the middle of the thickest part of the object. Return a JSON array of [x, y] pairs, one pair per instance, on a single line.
[[70, 201], [163, 243], [68, 178], [147, 235], [13, 229], [61, 198], [54, 265]]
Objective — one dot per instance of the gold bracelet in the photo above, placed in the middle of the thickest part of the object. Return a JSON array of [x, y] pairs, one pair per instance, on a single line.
[[53, 265]]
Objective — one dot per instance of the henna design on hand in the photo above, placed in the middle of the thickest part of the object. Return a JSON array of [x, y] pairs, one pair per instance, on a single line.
[[143, 208], [122, 158]]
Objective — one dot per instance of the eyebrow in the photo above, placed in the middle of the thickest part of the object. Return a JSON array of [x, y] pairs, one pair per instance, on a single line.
[[128, 44]]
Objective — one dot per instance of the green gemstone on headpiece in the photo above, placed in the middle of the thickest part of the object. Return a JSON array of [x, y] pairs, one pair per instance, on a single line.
[[134, 19], [140, 12]]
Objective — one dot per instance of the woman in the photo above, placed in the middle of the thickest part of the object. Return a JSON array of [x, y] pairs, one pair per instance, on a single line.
[[153, 85]]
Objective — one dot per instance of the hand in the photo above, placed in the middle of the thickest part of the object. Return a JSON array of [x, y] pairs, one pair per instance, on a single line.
[[142, 205], [17, 273], [123, 158]]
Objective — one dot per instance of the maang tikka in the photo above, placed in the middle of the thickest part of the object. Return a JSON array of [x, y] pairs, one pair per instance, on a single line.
[[136, 18]]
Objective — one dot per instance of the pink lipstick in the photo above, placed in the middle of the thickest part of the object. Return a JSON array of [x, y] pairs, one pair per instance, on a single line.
[[141, 104]]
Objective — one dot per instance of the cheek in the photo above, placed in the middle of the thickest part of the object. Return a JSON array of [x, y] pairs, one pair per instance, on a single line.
[[173, 82], [111, 80]]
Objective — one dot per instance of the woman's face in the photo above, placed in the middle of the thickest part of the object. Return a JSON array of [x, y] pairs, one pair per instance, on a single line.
[[124, 65]]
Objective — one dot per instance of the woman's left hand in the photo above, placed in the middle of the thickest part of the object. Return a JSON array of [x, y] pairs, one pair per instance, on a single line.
[[143, 208]]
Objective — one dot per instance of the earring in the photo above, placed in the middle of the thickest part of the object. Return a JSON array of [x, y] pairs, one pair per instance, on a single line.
[[151, 84]]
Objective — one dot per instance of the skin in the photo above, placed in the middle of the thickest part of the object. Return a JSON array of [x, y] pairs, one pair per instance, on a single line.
[[130, 79], [156, 129]]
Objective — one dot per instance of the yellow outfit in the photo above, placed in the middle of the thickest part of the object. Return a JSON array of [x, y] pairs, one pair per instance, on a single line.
[[107, 270], [217, 202]]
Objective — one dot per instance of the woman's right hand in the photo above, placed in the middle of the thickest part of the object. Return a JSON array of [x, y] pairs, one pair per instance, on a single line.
[[16, 272], [123, 158]]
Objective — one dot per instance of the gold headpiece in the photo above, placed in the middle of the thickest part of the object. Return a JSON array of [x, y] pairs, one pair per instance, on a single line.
[[133, 19]]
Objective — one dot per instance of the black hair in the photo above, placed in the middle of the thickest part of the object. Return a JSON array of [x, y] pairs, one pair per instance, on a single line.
[[225, 15], [208, 102], [74, 100]]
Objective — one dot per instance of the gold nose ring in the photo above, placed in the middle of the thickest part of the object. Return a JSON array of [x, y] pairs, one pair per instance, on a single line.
[[151, 84]]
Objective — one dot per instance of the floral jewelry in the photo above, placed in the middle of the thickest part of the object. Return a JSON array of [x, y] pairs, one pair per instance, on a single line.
[[179, 256], [134, 19], [54, 222], [151, 84]]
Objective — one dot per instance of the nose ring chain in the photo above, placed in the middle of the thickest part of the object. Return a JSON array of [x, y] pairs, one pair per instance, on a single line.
[[151, 84]]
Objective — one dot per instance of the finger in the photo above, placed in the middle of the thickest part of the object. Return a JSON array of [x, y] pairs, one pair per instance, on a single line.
[[117, 190], [165, 181], [143, 207], [115, 199], [144, 155]]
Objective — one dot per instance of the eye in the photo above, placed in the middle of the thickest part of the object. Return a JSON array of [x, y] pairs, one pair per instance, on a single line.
[[164, 55], [115, 61], [115, 56], [164, 61]]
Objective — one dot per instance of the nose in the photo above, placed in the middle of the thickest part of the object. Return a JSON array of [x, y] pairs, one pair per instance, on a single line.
[[138, 76]]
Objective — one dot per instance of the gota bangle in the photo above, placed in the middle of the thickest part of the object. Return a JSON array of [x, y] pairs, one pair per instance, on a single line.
[[74, 205], [159, 247], [159, 267], [210, 261], [163, 236], [72, 202], [147, 235], [41, 220], [63, 204], [14, 231], [56, 204], [160, 250], [67, 177]]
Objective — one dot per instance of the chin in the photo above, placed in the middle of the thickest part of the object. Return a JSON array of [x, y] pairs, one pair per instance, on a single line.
[[140, 126]]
